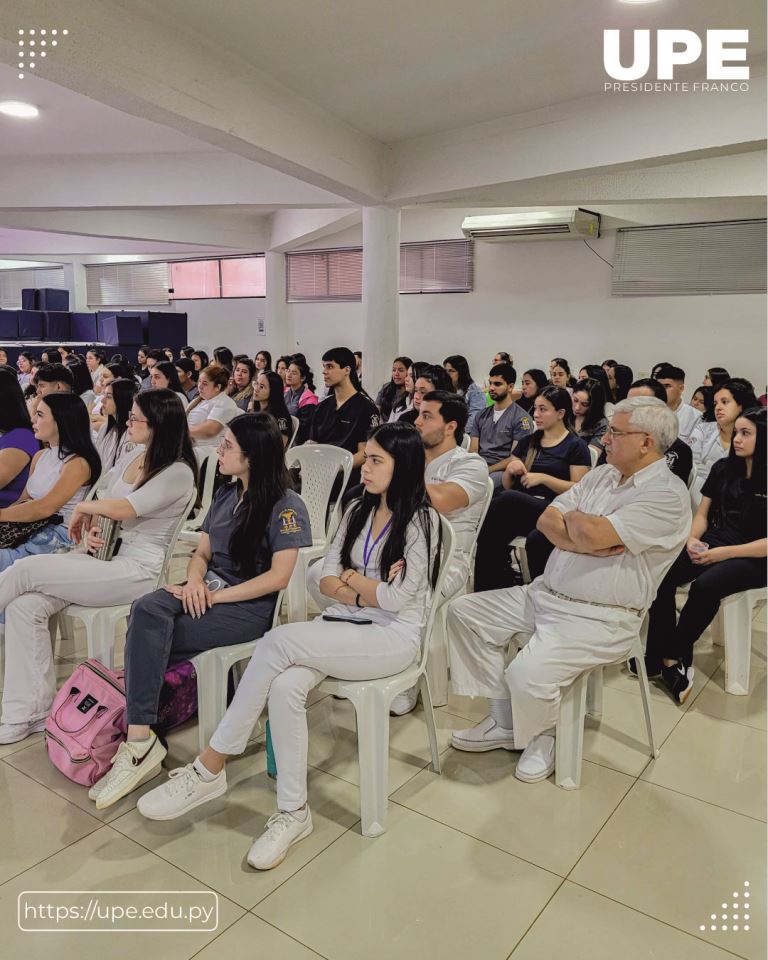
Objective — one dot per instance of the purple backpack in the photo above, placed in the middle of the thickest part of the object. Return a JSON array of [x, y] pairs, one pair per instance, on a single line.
[[178, 697]]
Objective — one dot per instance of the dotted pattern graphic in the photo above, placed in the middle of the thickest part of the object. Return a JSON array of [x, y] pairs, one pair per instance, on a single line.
[[739, 919], [35, 44]]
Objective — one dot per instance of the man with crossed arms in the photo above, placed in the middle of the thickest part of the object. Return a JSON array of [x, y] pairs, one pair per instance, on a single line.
[[616, 533]]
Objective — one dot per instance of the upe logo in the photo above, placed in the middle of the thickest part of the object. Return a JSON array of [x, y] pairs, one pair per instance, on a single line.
[[676, 48]]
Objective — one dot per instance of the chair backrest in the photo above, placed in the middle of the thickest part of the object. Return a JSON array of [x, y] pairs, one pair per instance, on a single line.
[[594, 454], [207, 463], [480, 522], [164, 570], [446, 556], [691, 478], [465, 441], [320, 464], [295, 422]]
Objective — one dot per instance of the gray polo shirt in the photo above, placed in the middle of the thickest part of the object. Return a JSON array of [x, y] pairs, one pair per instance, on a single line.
[[497, 439]]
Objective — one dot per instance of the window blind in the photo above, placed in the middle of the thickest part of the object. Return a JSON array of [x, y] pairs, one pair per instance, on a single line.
[[697, 258], [126, 284], [12, 282], [312, 275], [445, 266]]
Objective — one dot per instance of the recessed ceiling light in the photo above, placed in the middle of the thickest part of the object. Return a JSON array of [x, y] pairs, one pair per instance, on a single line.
[[15, 108]]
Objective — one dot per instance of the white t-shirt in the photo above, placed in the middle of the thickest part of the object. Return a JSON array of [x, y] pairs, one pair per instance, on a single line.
[[651, 513], [687, 418], [45, 476], [221, 408], [707, 450], [470, 472], [158, 504]]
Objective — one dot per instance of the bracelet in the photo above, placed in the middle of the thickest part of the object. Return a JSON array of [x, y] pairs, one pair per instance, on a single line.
[[357, 601], [346, 582]]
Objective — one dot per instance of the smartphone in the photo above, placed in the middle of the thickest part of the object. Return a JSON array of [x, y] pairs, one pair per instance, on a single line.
[[331, 619]]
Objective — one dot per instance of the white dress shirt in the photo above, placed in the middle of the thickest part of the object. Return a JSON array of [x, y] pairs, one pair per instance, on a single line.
[[687, 418], [651, 513]]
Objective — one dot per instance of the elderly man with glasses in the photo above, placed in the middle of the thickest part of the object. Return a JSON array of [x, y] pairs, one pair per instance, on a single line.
[[616, 533]]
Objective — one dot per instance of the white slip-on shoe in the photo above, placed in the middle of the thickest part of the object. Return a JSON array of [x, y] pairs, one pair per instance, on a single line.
[[487, 735], [538, 759], [282, 831], [15, 732], [404, 702], [183, 791], [132, 765]]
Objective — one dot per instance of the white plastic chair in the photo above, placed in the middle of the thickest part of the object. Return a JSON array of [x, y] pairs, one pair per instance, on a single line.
[[100, 622], [732, 628], [320, 466], [437, 661], [465, 441], [190, 532], [212, 668], [372, 700], [295, 424], [594, 454], [518, 548]]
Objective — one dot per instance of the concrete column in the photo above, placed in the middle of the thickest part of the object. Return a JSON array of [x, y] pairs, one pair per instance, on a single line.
[[381, 296], [74, 278], [279, 337]]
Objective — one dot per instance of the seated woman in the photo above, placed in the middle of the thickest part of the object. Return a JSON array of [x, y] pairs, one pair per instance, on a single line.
[[380, 570], [211, 412], [95, 358], [111, 371], [281, 367], [533, 380], [392, 394], [589, 420], [268, 398], [24, 364], [263, 361], [725, 554], [300, 397], [148, 490], [114, 438], [163, 376], [715, 376], [17, 441], [703, 400], [83, 385], [426, 378], [405, 404], [59, 475], [240, 387], [544, 464], [711, 442], [247, 551], [224, 357], [201, 361], [560, 374], [457, 369]]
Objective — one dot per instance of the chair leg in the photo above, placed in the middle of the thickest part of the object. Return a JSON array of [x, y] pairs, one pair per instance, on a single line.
[[429, 719], [437, 659], [737, 633], [595, 694], [373, 758], [569, 739], [208, 699], [296, 593], [645, 694]]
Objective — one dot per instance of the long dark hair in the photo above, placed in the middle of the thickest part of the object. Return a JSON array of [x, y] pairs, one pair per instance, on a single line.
[[305, 371], [735, 483], [560, 400], [624, 377], [344, 357], [123, 392], [81, 376], [268, 481], [708, 399], [276, 400], [563, 363], [204, 362], [224, 357], [392, 395], [171, 374], [406, 498], [74, 426], [13, 411], [596, 394], [170, 441], [267, 356], [437, 376], [741, 390], [538, 376], [461, 366], [718, 376]]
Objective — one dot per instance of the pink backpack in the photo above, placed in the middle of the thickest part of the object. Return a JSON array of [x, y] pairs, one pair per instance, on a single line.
[[87, 723]]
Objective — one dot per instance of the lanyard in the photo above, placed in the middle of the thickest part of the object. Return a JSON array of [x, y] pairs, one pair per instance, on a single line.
[[369, 547]]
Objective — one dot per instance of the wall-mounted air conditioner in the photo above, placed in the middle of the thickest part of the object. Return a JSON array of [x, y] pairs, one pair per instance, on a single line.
[[571, 223]]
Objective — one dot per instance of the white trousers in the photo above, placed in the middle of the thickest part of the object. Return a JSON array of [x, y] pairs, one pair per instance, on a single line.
[[286, 664], [563, 640], [32, 591]]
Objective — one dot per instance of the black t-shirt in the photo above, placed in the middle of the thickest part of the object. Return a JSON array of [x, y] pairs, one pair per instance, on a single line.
[[679, 459], [345, 427], [554, 461], [738, 511]]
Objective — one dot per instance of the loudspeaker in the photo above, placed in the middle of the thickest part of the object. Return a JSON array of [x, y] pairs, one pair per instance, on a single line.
[[57, 326], [30, 325], [50, 299], [29, 299], [9, 324], [83, 327]]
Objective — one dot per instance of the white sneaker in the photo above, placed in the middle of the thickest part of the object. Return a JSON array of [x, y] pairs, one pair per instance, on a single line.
[[282, 831], [184, 790], [14, 732], [538, 759], [404, 702], [487, 735], [130, 768]]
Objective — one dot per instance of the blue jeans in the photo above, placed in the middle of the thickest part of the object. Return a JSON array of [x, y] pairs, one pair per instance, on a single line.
[[48, 540]]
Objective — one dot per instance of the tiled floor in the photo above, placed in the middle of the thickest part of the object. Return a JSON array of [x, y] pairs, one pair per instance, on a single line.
[[474, 864]]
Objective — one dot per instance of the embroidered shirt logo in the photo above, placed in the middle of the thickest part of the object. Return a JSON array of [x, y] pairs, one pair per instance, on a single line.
[[289, 522]]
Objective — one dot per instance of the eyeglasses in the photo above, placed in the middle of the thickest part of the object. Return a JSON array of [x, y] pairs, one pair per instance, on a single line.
[[223, 445], [611, 432], [133, 419]]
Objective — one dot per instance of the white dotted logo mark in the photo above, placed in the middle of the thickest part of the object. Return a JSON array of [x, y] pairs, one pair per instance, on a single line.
[[26, 46]]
